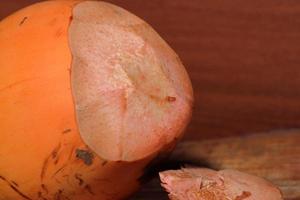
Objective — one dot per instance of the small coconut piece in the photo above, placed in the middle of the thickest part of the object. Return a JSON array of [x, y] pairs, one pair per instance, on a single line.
[[207, 184]]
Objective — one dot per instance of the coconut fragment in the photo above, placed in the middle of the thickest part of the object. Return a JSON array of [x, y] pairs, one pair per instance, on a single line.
[[207, 184]]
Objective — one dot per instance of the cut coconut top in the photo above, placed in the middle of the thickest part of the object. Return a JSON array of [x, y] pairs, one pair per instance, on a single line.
[[132, 94]]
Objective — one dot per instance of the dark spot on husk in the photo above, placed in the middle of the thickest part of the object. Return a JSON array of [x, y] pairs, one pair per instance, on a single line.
[[16, 184], [43, 186], [40, 196], [59, 170], [67, 131], [23, 21], [70, 71], [56, 160], [19, 192], [89, 189], [244, 195], [47, 159], [55, 150], [104, 163], [85, 155], [13, 187], [80, 180], [58, 195], [70, 19], [170, 99]]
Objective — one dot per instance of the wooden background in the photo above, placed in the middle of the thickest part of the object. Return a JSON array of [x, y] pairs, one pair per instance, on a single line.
[[243, 57]]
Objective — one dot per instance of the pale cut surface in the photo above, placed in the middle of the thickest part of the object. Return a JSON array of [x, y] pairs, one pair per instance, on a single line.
[[206, 184], [132, 94]]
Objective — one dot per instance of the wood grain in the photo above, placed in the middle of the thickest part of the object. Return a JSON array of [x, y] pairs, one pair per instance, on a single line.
[[242, 56], [274, 156]]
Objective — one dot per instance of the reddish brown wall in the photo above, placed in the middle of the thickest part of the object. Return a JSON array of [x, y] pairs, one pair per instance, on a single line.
[[243, 57]]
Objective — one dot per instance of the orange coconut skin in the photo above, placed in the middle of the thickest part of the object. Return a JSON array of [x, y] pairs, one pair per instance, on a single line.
[[42, 155]]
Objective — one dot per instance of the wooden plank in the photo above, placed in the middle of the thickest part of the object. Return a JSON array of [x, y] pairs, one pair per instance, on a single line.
[[242, 56]]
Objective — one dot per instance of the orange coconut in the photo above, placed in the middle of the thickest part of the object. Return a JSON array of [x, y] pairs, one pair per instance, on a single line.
[[89, 95]]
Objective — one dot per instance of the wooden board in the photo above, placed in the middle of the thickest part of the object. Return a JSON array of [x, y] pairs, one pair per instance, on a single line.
[[242, 56]]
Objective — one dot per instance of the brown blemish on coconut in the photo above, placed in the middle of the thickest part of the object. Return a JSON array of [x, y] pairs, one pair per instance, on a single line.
[[56, 160], [23, 21], [58, 195], [66, 131], [14, 187], [16, 184], [89, 189], [69, 71], [244, 195], [55, 151], [85, 155], [41, 196], [19, 192], [170, 99], [44, 168], [59, 170], [2, 178], [44, 188], [53, 157], [79, 179], [104, 162]]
